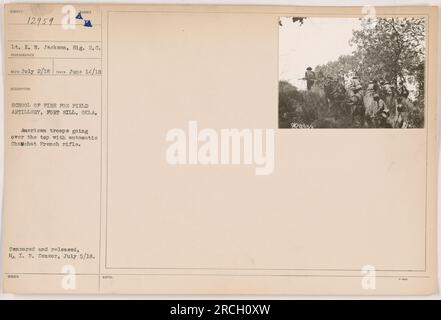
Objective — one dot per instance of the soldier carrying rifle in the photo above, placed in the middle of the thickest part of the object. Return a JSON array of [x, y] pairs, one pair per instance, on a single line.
[[310, 78]]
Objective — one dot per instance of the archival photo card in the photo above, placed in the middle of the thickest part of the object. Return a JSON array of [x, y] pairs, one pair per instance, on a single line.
[[148, 150]]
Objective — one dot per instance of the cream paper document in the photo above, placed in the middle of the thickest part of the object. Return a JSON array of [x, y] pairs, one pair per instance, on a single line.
[[220, 149]]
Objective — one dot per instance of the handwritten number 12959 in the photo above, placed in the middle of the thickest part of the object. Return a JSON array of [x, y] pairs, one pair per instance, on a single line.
[[40, 21]]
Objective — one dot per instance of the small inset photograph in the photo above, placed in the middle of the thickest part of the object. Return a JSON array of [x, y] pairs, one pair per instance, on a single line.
[[352, 72]]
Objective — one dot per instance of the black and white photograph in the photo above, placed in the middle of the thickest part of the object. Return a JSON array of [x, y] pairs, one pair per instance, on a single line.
[[338, 72]]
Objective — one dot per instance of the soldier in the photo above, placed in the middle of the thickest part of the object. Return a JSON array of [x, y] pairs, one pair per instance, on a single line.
[[379, 104], [376, 85], [353, 82], [337, 96], [341, 76], [403, 93], [310, 78], [320, 75], [382, 89], [358, 108], [328, 84], [381, 113], [370, 88], [388, 96], [369, 103], [382, 119], [400, 116], [402, 90], [392, 90]]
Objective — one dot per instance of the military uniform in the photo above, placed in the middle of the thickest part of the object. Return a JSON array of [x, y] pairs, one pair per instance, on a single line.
[[310, 78], [381, 115], [337, 98], [400, 116], [358, 108]]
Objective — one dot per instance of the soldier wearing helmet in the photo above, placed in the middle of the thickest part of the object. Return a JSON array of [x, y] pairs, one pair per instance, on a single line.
[[310, 78]]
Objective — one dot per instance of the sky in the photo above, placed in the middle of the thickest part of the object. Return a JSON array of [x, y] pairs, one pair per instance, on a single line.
[[317, 41]]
